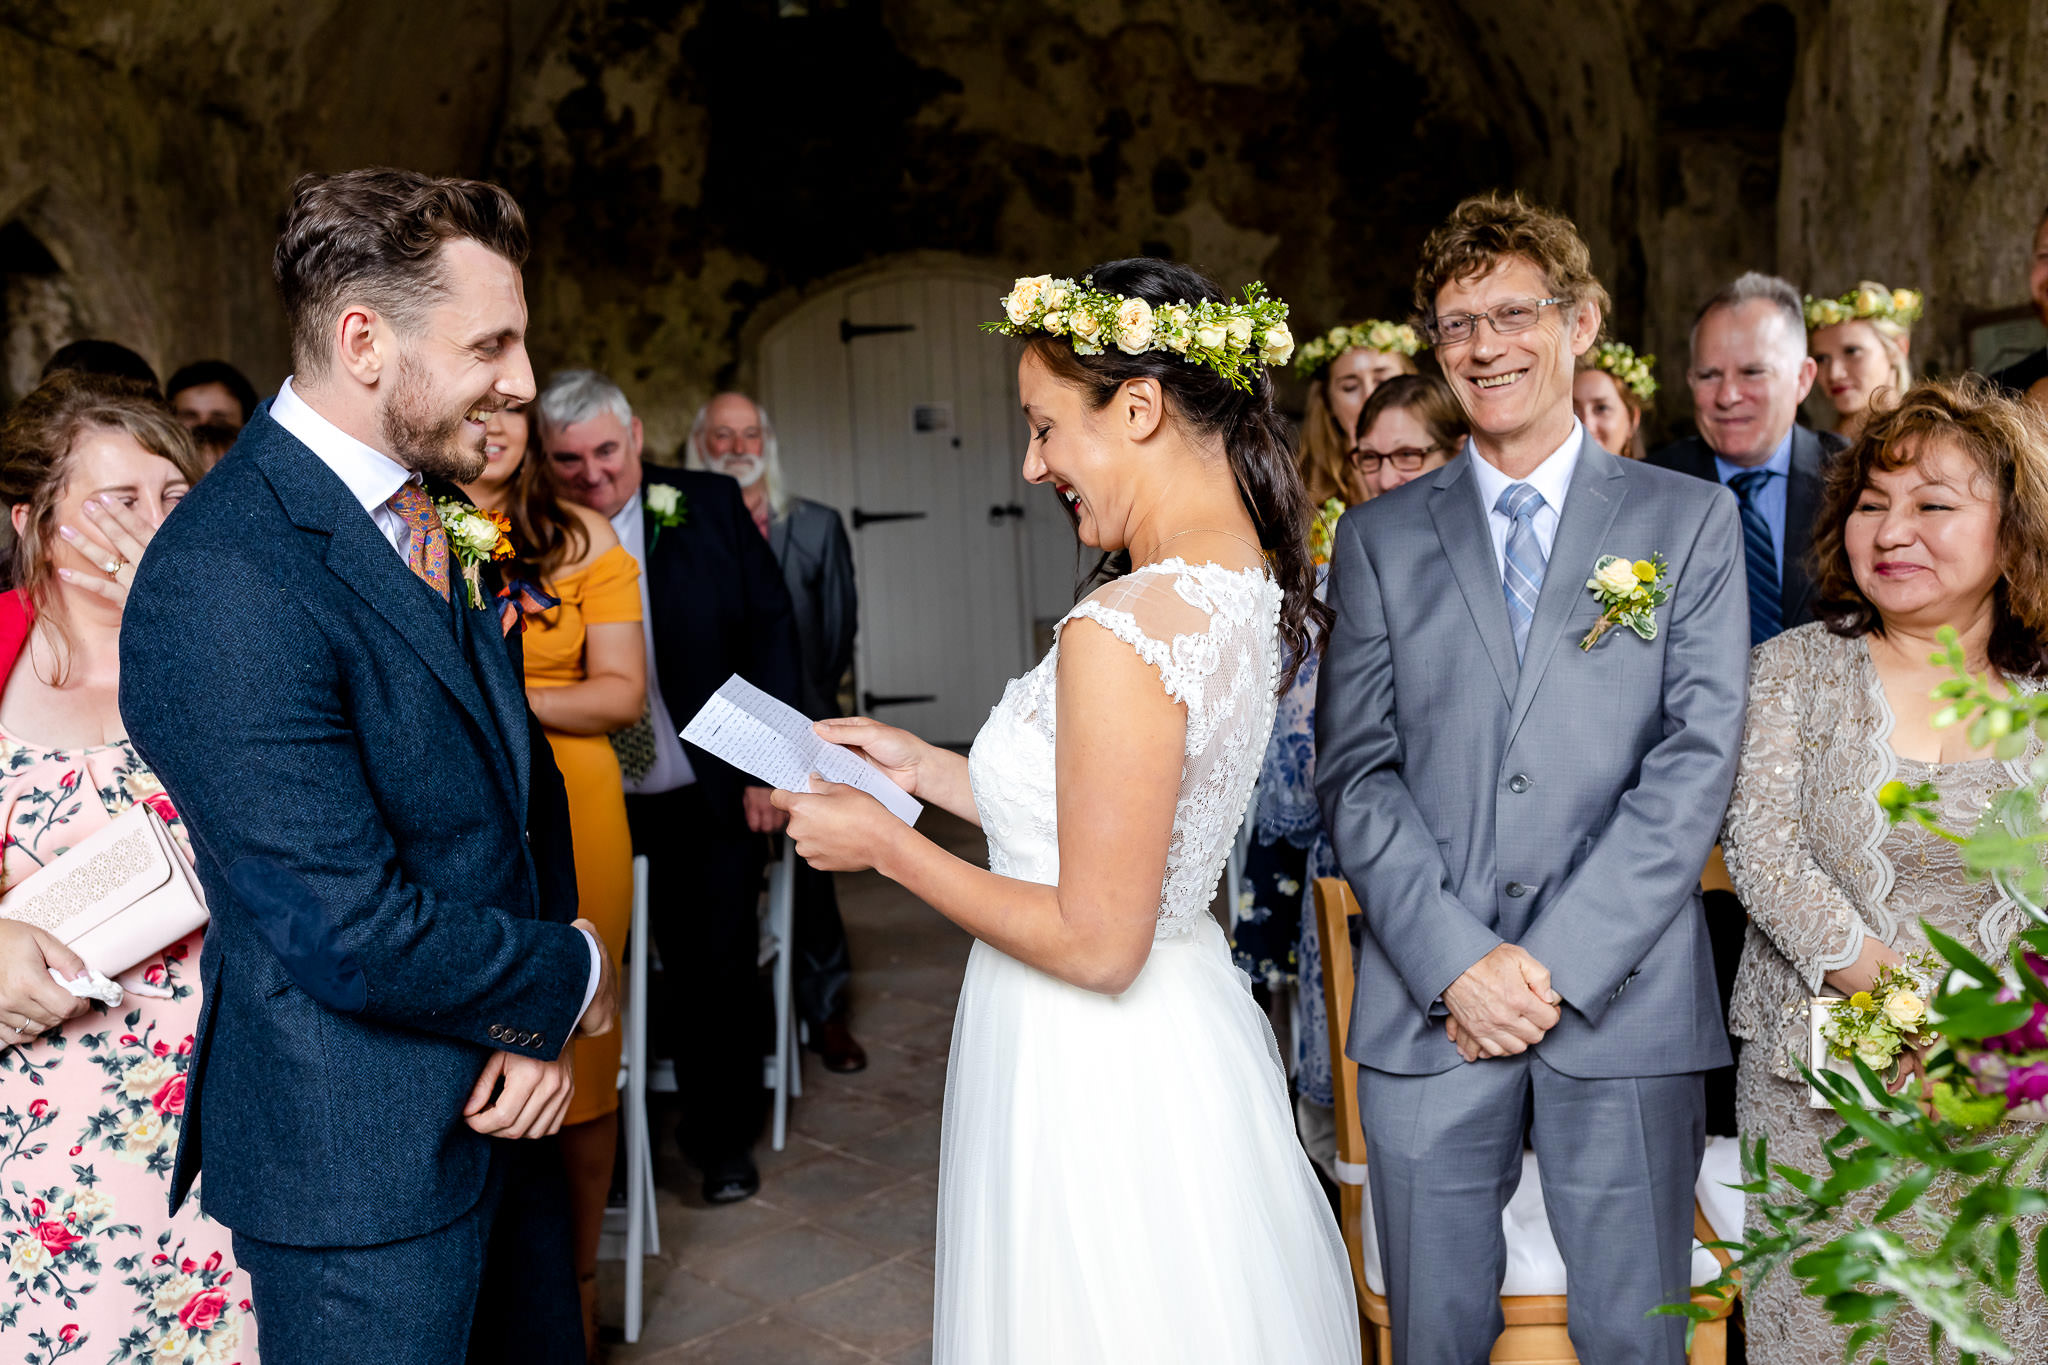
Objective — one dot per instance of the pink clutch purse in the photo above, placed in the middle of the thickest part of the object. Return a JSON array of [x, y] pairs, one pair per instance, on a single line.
[[115, 897]]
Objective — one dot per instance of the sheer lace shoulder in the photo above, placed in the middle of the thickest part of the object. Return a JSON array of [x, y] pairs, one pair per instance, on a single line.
[[1212, 633]]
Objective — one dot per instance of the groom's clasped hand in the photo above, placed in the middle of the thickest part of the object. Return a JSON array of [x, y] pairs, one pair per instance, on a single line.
[[516, 1096], [1501, 1006]]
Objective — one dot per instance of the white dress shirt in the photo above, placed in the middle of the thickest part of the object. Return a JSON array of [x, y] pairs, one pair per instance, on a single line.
[[1552, 478], [373, 477], [671, 765]]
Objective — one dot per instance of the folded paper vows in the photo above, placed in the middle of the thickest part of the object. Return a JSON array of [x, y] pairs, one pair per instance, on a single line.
[[759, 735]]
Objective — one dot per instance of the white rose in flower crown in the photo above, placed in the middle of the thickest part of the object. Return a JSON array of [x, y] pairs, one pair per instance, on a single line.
[[1278, 346], [1134, 326], [1087, 331], [1170, 325], [1905, 1009], [1618, 577], [1055, 322], [1240, 331], [1212, 333], [1058, 294], [1024, 298]]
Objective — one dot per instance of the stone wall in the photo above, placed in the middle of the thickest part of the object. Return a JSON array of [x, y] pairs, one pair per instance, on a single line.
[[693, 166]]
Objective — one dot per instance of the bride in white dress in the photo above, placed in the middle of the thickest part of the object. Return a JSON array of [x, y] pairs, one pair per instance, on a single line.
[[1120, 1180]]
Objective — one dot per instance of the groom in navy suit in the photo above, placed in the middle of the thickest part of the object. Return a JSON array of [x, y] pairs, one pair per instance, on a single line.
[[388, 991]]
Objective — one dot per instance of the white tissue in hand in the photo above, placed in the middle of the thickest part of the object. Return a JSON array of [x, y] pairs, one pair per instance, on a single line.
[[92, 986]]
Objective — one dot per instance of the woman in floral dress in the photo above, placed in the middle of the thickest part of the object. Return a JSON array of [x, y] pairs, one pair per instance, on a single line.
[[90, 1111]]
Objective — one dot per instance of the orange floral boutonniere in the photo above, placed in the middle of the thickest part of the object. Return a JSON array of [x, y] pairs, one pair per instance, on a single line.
[[475, 535]]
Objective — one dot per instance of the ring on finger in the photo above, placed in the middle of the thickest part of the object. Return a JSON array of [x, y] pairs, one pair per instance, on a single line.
[[115, 567]]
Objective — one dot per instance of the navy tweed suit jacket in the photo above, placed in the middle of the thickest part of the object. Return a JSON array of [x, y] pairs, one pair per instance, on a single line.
[[355, 760]]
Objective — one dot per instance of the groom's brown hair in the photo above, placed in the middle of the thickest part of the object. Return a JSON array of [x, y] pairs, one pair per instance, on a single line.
[[373, 237], [1487, 229]]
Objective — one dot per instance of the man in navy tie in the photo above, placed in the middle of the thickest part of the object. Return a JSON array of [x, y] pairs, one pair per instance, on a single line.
[[1749, 374]]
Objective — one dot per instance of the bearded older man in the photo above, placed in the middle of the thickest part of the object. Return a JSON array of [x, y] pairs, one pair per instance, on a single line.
[[712, 604], [733, 436]]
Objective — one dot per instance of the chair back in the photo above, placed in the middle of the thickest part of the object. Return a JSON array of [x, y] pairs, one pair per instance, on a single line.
[[1335, 905]]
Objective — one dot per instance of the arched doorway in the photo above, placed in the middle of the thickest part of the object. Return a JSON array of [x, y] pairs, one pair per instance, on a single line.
[[38, 310], [892, 405]]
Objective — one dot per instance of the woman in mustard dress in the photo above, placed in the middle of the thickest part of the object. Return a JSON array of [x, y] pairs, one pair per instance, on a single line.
[[586, 676]]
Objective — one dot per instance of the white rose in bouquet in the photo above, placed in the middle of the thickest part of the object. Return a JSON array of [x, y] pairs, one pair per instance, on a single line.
[[1905, 1009]]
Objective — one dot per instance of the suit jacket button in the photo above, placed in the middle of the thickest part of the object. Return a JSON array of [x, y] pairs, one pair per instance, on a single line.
[[496, 1032], [538, 1041], [526, 1040], [1518, 784], [1517, 890]]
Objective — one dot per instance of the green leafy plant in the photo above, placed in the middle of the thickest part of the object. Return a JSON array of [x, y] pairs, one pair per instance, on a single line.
[[1956, 1164]]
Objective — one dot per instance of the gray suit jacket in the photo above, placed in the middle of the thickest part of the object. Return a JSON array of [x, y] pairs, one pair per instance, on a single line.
[[1567, 804], [810, 546]]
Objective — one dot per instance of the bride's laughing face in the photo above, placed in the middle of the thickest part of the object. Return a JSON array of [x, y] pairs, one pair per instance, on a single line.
[[1073, 449]]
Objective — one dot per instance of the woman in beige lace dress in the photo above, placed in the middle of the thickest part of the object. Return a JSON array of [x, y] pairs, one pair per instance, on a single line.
[[1937, 516]]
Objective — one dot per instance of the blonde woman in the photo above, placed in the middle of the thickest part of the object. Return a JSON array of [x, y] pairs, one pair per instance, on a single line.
[[1862, 342], [1610, 392], [1343, 366]]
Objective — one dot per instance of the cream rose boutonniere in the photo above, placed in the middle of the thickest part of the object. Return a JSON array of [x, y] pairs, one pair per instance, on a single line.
[[1629, 592], [666, 507], [476, 535]]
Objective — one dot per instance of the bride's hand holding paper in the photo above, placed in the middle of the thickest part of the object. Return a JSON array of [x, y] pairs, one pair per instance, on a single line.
[[837, 828], [898, 753]]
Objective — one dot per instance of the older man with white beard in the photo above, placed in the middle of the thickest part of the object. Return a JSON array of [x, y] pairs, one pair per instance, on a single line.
[[733, 436]]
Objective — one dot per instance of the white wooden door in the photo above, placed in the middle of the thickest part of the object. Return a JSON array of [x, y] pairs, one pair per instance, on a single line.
[[890, 403]]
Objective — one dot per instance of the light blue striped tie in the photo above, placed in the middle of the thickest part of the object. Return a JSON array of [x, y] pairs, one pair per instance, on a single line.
[[1522, 573]]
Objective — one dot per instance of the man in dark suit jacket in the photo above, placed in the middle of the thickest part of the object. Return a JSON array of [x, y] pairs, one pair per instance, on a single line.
[[713, 604], [2032, 368], [388, 988], [1749, 374]]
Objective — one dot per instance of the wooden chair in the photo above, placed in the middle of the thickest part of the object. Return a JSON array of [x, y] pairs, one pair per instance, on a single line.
[[1535, 1332]]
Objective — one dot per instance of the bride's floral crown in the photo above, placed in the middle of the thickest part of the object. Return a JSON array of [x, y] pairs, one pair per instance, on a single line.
[[1227, 337], [1393, 338], [1635, 372], [1866, 303]]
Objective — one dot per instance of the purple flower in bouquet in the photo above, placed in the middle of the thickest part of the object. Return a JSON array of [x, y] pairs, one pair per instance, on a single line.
[[2026, 1086], [2031, 1036]]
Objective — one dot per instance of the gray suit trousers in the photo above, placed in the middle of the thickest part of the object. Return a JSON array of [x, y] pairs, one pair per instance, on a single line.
[[1617, 1157]]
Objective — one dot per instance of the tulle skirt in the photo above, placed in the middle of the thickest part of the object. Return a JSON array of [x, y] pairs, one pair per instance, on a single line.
[[1120, 1180]]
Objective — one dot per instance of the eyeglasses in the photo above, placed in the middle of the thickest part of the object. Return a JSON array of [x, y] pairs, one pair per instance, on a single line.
[[1516, 315], [1409, 461]]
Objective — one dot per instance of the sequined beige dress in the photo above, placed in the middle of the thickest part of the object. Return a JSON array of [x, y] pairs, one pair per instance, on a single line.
[[1818, 867]]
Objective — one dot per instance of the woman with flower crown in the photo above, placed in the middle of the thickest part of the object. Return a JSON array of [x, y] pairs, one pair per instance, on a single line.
[[1611, 390], [1119, 1175], [1343, 366], [1862, 343]]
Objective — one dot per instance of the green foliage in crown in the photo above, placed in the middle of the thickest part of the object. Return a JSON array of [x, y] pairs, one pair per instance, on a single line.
[[1863, 304], [1227, 337], [1635, 372], [1392, 338]]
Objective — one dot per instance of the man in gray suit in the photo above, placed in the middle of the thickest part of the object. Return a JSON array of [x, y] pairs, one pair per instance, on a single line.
[[1524, 820]]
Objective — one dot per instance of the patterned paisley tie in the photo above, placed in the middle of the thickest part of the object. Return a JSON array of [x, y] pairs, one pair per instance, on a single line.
[[428, 551], [635, 747]]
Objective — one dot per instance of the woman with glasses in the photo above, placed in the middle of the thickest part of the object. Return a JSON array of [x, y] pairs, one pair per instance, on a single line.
[[1411, 425]]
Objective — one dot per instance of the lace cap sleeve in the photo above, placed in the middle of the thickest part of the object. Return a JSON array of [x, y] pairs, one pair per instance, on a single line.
[[1166, 619], [1810, 919]]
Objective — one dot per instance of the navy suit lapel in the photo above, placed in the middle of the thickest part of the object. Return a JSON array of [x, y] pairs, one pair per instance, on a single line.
[[357, 554], [1802, 505], [1590, 505], [1461, 527]]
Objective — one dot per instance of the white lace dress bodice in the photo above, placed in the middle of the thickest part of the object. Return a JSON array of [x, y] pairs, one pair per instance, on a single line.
[[1213, 634]]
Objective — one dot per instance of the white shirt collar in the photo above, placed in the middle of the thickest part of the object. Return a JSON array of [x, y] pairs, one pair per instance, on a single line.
[[1552, 478], [630, 524], [369, 473]]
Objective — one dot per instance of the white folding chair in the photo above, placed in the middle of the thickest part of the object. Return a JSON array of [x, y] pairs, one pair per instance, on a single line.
[[642, 1231], [782, 1072]]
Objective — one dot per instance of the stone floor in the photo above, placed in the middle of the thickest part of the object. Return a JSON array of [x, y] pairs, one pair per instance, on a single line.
[[831, 1264]]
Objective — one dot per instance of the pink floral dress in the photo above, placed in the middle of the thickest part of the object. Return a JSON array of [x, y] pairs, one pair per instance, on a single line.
[[89, 1120]]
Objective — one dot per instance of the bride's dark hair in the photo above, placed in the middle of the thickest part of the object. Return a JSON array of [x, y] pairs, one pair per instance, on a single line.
[[1253, 435]]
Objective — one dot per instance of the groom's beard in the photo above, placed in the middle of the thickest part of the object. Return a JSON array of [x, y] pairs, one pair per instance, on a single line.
[[438, 447]]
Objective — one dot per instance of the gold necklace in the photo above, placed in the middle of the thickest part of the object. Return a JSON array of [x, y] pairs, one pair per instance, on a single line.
[[1194, 530]]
